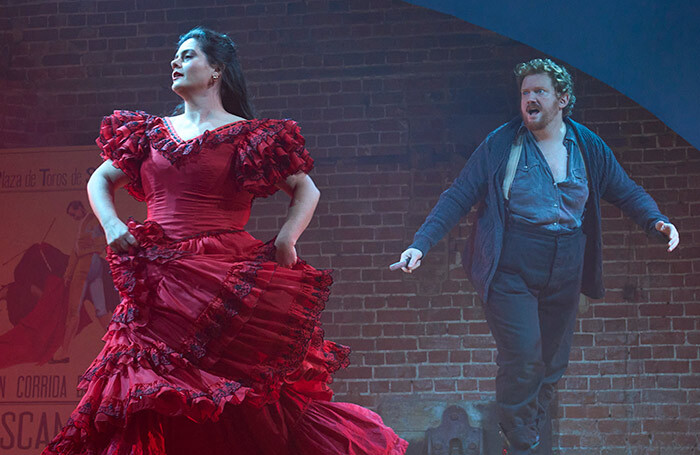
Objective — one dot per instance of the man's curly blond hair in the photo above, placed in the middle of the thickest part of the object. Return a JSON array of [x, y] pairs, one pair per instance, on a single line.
[[561, 79]]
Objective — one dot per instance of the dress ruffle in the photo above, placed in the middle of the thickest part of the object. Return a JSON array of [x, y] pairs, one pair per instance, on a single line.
[[123, 140], [272, 156], [294, 425]]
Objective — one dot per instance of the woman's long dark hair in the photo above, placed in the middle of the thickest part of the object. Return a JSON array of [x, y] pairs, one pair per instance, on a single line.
[[221, 53]]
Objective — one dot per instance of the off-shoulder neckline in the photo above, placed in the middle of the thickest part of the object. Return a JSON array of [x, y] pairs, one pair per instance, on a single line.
[[172, 132]]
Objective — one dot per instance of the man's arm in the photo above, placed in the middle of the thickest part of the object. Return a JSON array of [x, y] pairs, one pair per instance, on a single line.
[[70, 268], [623, 192], [91, 237], [454, 203]]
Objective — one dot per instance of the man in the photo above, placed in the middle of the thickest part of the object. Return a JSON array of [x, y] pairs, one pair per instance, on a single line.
[[537, 241], [85, 276]]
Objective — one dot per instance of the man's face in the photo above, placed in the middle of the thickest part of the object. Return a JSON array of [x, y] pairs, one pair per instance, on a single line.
[[539, 102], [77, 213]]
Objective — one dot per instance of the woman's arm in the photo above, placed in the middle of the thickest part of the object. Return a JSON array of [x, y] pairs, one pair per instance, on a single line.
[[305, 196], [100, 188]]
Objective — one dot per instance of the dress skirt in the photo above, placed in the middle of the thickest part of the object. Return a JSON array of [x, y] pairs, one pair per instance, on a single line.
[[217, 349]]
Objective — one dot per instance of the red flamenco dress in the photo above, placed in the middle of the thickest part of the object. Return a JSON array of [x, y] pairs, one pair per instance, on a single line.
[[214, 348]]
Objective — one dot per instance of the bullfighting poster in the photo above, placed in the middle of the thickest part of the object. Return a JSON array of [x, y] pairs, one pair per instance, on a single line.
[[56, 292]]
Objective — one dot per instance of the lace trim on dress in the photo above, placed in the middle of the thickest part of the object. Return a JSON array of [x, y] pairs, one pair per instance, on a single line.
[[266, 377], [156, 359], [244, 135], [218, 317], [79, 435], [178, 152], [269, 372], [154, 247], [269, 150]]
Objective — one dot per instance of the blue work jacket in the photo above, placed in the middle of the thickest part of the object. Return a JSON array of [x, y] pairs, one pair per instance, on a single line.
[[480, 181]]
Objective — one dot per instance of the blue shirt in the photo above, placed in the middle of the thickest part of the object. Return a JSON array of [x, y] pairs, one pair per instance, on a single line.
[[536, 199]]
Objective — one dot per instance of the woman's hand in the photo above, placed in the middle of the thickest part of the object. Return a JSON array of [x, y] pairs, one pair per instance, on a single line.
[[118, 236], [285, 254], [100, 189], [304, 199]]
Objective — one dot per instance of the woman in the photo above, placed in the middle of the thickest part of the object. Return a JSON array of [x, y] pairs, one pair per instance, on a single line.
[[216, 346]]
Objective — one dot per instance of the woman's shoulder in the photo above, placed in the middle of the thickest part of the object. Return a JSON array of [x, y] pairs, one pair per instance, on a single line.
[[131, 115], [125, 123], [273, 126], [255, 130], [128, 120], [262, 122], [273, 151]]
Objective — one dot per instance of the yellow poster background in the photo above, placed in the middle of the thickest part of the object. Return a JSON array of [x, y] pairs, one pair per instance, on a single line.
[[36, 187]]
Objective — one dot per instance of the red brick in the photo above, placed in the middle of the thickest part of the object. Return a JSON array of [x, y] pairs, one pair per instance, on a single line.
[[662, 352], [664, 396], [668, 366], [662, 338], [476, 370]]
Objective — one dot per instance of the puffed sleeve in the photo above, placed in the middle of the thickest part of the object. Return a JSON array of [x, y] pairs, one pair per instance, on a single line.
[[275, 150], [123, 140]]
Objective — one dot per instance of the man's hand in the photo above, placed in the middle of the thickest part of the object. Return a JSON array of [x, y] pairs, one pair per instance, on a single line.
[[669, 231], [410, 260]]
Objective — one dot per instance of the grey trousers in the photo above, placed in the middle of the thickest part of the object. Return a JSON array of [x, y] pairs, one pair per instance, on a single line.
[[531, 311]]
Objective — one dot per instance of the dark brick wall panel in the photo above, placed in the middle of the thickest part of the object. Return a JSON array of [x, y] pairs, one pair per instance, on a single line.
[[392, 99]]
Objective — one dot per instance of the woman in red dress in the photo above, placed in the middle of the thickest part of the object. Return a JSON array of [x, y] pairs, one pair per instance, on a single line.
[[216, 346]]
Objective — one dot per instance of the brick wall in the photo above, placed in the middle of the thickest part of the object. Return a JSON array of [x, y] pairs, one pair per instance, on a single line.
[[392, 98]]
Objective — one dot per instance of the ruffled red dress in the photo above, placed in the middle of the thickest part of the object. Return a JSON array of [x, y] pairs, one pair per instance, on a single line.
[[214, 348]]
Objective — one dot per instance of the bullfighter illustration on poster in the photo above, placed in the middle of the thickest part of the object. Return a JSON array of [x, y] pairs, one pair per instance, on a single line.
[[56, 292]]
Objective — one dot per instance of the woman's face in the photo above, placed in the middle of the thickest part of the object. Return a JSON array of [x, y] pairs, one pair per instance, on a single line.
[[191, 69]]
